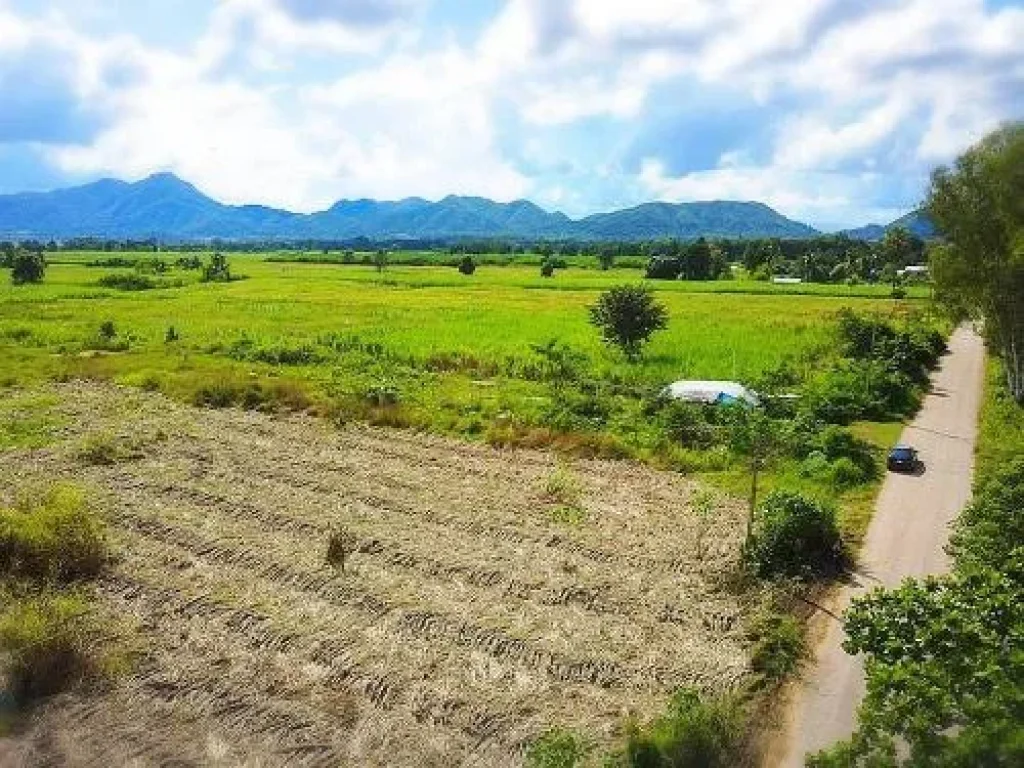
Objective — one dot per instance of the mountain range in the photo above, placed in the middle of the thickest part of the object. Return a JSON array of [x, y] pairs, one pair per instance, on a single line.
[[165, 207]]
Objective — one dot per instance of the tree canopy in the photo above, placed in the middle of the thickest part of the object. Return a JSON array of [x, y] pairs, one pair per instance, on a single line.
[[978, 207]]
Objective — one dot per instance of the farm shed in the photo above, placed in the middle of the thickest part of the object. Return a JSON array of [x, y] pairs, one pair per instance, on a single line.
[[711, 392]]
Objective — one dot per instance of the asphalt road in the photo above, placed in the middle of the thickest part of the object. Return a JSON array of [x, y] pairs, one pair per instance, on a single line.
[[906, 537]]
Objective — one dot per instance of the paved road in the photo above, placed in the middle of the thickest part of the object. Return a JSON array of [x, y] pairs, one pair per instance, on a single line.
[[906, 538]]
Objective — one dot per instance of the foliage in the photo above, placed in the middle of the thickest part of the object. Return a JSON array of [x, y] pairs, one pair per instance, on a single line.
[[127, 282], [340, 544], [944, 658], [547, 268], [107, 330], [45, 641], [991, 528], [692, 734], [794, 536], [52, 536], [217, 269], [627, 316], [945, 670], [27, 266], [779, 647], [467, 265], [979, 272], [556, 749]]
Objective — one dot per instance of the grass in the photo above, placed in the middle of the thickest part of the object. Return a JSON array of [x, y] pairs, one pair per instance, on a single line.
[[45, 640], [1001, 427], [420, 347], [27, 420], [51, 536]]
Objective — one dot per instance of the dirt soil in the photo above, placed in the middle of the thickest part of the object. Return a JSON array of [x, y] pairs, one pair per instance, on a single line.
[[906, 538], [468, 619]]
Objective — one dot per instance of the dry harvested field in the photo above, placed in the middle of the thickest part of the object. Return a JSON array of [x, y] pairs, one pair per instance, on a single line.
[[468, 620]]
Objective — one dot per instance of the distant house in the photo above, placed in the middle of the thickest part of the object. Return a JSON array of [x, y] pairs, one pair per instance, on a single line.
[[711, 393], [914, 272], [787, 280]]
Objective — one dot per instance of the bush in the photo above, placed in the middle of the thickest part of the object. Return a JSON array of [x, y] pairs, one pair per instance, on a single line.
[[661, 268], [693, 733], [686, 424], [547, 268], [467, 266], [44, 639], [171, 335], [556, 749], [127, 282], [52, 537], [27, 267], [217, 269], [779, 647], [794, 536], [991, 528]]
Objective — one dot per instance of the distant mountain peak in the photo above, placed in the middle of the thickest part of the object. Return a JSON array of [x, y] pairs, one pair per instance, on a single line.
[[165, 206]]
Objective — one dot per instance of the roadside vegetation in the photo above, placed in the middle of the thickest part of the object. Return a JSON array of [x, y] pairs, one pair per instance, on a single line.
[[944, 665]]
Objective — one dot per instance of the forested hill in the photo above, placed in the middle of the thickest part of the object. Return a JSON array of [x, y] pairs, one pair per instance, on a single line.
[[164, 206]]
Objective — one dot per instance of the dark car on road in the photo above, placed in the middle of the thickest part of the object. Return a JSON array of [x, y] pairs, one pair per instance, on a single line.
[[903, 458]]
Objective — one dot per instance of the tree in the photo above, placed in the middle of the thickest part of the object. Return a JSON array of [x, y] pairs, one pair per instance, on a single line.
[[547, 267], [756, 436], [217, 269], [978, 207], [27, 267], [945, 672], [380, 260], [627, 315], [605, 257], [467, 266]]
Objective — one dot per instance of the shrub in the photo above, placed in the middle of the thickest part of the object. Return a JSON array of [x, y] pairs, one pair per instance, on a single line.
[[217, 269], [44, 639], [686, 425], [692, 733], [556, 749], [991, 528], [662, 268], [340, 544], [52, 537], [779, 647], [171, 335], [127, 282], [107, 330], [467, 266], [27, 267], [794, 536], [547, 268]]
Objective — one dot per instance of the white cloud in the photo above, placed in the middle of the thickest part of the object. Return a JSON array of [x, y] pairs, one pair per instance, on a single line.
[[893, 86]]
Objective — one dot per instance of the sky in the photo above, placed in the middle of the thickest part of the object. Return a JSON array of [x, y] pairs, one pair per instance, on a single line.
[[833, 112]]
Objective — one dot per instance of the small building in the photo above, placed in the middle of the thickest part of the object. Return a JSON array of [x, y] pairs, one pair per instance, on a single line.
[[914, 272], [712, 393], [787, 280]]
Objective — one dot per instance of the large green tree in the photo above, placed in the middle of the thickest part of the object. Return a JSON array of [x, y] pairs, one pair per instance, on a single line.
[[627, 315], [978, 207]]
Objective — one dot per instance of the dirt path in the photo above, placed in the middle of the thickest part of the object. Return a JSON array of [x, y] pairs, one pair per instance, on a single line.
[[906, 538], [468, 621]]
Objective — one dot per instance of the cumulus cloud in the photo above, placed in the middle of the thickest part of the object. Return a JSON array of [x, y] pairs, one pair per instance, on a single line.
[[827, 109]]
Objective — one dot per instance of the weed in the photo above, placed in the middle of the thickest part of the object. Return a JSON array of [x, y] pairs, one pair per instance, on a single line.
[[52, 536], [340, 544], [779, 648], [562, 486], [44, 639], [693, 732], [171, 334], [556, 749], [104, 449]]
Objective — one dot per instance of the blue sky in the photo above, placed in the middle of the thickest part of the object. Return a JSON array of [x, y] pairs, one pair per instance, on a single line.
[[832, 111]]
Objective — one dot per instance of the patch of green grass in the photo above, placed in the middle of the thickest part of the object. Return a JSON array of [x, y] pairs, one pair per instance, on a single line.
[[556, 749], [44, 638], [1001, 427], [52, 536], [28, 421]]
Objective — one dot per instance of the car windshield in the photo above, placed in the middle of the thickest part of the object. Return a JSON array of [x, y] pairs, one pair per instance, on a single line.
[[902, 453]]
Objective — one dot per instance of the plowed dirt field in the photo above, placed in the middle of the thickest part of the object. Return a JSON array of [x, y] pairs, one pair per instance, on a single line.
[[468, 619]]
